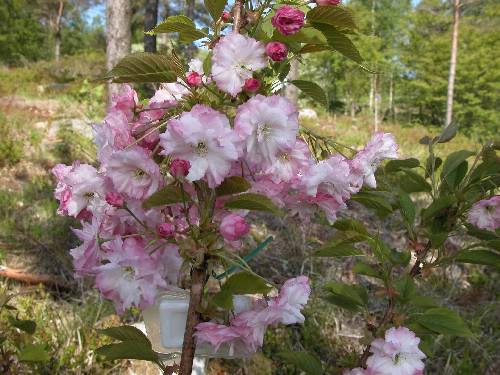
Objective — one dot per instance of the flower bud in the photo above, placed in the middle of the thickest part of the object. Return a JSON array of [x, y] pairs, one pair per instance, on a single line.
[[114, 199], [288, 20], [276, 51], [194, 79], [226, 16], [165, 230], [233, 227], [252, 85], [179, 168]]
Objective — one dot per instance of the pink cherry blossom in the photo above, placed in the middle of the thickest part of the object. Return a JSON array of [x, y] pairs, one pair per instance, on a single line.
[[125, 101], [485, 214], [397, 354], [86, 256], [216, 334], [267, 126], [235, 58], [286, 308], [233, 226], [328, 2], [288, 20], [381, 146], [133, 172], [276, 51], [251, 85], [130, 277], [359, 371], [76, 187], [330, 176], [226, 16], [179, 168], [205, 139], [291, 164]]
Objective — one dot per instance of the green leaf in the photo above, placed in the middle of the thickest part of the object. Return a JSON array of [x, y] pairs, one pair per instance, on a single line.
[[400, 258], [339, 42], [456, 176], [170, 194], [254, 202], [342, 249], [215, 8], [126, 333], [128, 350], [232, 185], [407, 208], [423, 302], [406, 288], [482, 234], [448, 133], [443, 320], [437, 207], [34, 353], [283, 71], [207, 64], [429, 167], [361, 268], [28, 326], [310, 48], [304, 361], [374, 199], [414, 183], [312, 89], [305, 35], [381, 250], [180, 24], [240, 283], [338, 16], [142, 67], [453, 161], [396, 165], [486, 257], [351, 225], [350, 297]]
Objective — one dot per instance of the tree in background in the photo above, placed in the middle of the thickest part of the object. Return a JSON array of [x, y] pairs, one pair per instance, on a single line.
[[453, 61], [118, 32], [150, 21]]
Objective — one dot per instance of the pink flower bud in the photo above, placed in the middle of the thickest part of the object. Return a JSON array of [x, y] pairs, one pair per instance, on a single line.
[[194, 79], [114, 199], [179, 168], [288, 20], [233, 227], [251, 85], [276, 51], [226, 16], [328, 2], [165, 230]]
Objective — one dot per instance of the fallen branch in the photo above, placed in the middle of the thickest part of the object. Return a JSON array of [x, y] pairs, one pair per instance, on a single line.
[[31, 278]]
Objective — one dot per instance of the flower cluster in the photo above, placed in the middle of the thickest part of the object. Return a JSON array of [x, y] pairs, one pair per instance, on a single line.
[[397, 354], [246, 329], [134, 240]]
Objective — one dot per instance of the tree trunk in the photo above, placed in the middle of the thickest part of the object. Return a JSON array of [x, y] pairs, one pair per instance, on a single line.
[[292, 92], [453, 63], [191, 49], [118, 34], [150, 21], [377, 100], [57, 33]]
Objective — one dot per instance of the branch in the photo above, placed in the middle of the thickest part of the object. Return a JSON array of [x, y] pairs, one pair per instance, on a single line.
[[193, 318], [238, 15]]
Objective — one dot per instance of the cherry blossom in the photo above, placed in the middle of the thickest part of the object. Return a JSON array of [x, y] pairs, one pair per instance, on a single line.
[[205, 139], [267, 126], [485, 214], [235, 58]]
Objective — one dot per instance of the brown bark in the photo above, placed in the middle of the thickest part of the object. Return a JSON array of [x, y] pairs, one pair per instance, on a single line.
[[291, 91], [193, 318], [453, 62], [31, 278], [150, 21], [118, 35]]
